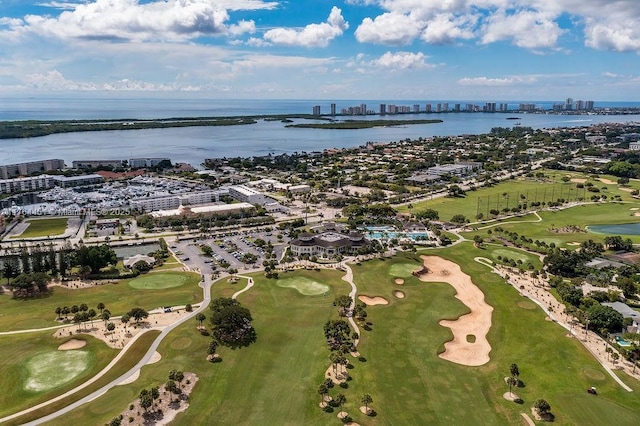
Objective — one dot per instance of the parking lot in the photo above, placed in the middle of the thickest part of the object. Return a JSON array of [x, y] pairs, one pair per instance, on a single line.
[[234, 250]]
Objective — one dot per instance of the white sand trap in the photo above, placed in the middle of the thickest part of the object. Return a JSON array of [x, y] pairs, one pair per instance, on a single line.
[[399, 281], [510, 396], [399, 294], [478, 322], [578, 180], [573, 243], [607, 181], [634, 208], [371, 301], [72, 344], [155, 358], [130, 379], [626, 189], [636, 213]]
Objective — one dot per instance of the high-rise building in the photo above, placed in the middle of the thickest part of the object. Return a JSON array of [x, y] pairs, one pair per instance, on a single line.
[[383, 109], [316, 110], [416, 108], [588, 105], [24, 169], [427, 107], [363, 109], [333, 109], [568, 104], [445, 106], [438, 107], [456, 107]]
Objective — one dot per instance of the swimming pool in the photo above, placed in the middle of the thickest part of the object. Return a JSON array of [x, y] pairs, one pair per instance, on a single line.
[[622, 342]]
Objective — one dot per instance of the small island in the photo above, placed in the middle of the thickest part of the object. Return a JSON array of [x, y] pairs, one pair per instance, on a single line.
[[361, 124]]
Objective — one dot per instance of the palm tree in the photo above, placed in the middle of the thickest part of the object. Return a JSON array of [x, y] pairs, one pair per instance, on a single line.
[[511, 381], [100, 307], [104, 316], [322, 391], [340, 399], [200, 317], [125, 319], [515, 372], [91, 314], [366, 400], [58, 312]]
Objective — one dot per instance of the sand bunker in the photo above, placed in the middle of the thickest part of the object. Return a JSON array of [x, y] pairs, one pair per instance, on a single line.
[[510, 396], [573, 243], [478, 322], [607, 181], [399, 281], [626, 189], [577, 180], [370, 301], [72, 344], [634, 208], [399, 294]]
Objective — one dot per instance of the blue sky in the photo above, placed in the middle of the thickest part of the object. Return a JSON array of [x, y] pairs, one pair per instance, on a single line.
[[321, 49]]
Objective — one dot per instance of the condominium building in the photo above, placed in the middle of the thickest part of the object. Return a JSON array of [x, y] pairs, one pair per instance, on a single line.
[[26, 184], [137, 163], [248, 195], [94, 164], [24, 169]]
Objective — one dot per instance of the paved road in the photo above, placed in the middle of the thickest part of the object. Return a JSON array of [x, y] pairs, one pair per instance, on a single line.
[[206, 285]]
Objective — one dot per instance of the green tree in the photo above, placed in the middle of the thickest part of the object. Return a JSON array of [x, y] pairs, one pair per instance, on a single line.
[[511, 381], [231, 323], [459, 219], [340, 400], [138, 314], [366, 400], [542, 406], [515, 372], [343, 303], [604, 317], [200, 317], [322, 391]]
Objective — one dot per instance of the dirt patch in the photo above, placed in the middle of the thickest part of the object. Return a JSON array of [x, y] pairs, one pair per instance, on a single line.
[[633, 209], [399, 281], [578, 180], [477, 322], [371, 301], [165, 408], [399, 294], [607, 181], [527, 419], [72, 344], [510, 396], [365, 410], [337, 376]]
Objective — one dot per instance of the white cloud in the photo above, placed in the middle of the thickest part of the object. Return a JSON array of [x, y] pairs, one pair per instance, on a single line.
[[531, 30], [507, 81], [135, 20], [389, 28], [313, 35], [401, 60], [529, 24]]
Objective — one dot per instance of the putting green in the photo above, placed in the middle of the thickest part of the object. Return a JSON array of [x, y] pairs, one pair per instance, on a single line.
[[304, 286], [402, 269], [50, 370], [157, 281]]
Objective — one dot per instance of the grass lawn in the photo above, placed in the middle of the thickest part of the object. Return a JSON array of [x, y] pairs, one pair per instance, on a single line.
[[28, 382], [582, 215], [274, 381], [21, 314], [158, 281], [510, 192], [44, 227]]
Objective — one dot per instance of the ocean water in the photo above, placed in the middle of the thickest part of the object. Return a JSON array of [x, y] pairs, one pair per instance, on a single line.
[[194, 144]]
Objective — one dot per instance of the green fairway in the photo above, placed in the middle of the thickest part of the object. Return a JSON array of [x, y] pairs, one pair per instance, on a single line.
[[274, 381], [158, 281], [33, 370], [44, 227], [21, 314], [304, 286]]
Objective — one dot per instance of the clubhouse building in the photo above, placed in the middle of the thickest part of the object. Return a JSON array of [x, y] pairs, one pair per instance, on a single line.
[[327, 244]]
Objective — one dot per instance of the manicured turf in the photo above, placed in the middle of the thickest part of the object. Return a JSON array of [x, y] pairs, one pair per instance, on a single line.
[[44, 227], [274, 381], [51, 369], [133, 355], [158, 281], [27, 380], [18, 314], [402, 270], [303, 286]]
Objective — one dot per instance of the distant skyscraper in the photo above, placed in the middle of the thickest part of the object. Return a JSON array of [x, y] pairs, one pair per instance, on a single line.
[[588, 105], [427, 107], [363, 109], [569, 104], [316, 110], [383, 109], [416, 108], [438, 107], [445, 106], [333, 109], [456, 107]]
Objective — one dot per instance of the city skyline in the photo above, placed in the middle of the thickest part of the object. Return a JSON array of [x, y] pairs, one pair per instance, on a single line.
[[367, 49]]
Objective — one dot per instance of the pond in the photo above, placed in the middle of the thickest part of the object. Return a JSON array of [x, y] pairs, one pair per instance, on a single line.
[[621, 229]]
